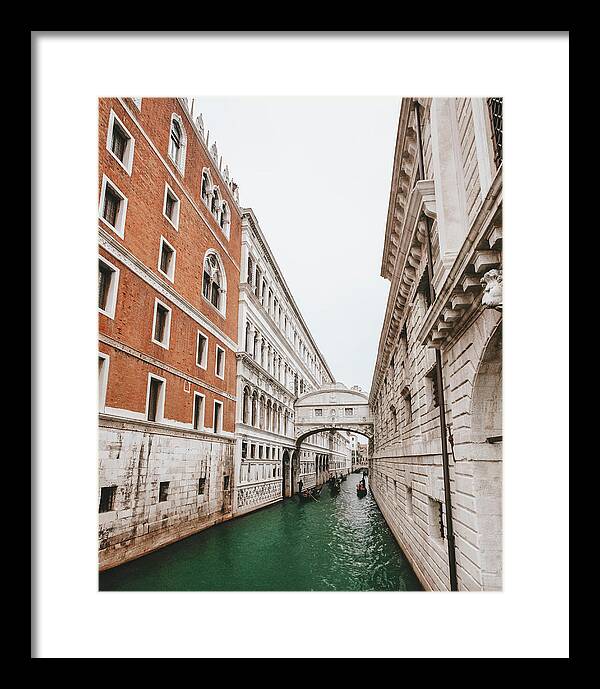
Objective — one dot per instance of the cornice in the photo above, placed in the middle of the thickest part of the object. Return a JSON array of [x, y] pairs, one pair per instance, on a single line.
[[249, 215], [461, 292], [406, 271]]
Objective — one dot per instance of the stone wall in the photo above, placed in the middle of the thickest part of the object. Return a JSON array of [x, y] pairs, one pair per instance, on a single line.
[[136, 458]]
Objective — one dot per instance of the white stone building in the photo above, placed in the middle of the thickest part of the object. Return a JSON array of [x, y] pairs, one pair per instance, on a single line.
[[441, 345], [277, 361]]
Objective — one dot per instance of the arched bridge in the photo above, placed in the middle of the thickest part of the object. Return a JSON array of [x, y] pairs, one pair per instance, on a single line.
[[332, 408]]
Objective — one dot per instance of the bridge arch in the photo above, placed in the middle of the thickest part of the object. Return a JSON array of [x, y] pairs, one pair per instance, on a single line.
[[333, 407]]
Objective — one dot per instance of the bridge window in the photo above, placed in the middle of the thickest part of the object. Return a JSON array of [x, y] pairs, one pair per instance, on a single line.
[[348, 411], [318, 412]]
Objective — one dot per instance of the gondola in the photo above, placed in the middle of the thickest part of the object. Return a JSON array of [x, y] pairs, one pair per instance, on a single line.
[[335, 485], [361, 489], [309, 494]]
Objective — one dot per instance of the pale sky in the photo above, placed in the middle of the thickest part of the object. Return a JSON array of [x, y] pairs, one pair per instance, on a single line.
[[317, 173]]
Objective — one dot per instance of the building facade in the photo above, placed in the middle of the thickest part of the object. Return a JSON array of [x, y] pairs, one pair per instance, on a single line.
[[169, 228], [439, 361], [277, 361]]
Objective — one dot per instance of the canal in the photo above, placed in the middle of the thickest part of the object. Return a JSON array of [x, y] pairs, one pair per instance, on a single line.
[[340, 543]]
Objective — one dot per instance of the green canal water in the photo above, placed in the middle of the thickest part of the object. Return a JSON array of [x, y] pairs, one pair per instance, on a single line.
[[340, 543]]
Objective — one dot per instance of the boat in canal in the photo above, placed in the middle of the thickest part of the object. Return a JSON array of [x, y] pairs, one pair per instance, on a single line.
[[361, 488], [335, 484], [309, 494]]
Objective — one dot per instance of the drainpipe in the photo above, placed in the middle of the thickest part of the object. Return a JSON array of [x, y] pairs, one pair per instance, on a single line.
[[439, 379]]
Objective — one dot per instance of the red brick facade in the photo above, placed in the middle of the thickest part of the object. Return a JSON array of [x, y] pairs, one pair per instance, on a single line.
[[198, 231]]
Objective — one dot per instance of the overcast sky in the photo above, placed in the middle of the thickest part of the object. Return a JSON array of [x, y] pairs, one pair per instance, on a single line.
[[317, 173]]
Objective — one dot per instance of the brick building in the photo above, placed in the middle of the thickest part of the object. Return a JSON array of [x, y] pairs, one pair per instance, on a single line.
[[439, 362], [169, 229]]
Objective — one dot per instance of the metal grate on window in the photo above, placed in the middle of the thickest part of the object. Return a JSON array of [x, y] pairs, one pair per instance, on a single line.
[[495, 110], [111, 206]]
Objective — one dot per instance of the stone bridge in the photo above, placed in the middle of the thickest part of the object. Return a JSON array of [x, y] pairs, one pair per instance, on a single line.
[[333, 408]]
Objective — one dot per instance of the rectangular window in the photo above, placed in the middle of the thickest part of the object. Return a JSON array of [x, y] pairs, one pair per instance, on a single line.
[[103, 363], [431, 388], [155, 398], [244, 449], [171, 207], [108, 281], [318, 412], [408, 412], [113, 206], [218, 417], [252, 451], [107, 498], [161, 326], [260, 451], [436, 519], [225, 482], [201, 350], [348, 411], [409, 502], [166, 260], [120, 143], [198, 415], [163, 491], [220, 362], [201, 486]]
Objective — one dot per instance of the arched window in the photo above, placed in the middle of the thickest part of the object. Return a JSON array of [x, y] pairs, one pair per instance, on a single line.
[[213, 282], [177, 142], [215, 202], [254, 420], [246, 405], [261, 414], [268, 416], [248, 343], [224, 219], [206, 188]]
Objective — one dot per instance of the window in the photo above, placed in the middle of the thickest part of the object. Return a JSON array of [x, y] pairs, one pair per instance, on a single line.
[[225, 482], [177, 142], [224, 219], [171, 207], [206, 186], [348, 411], [201, 350], [108, 282], [120, 143], [201, 486], [408, 412], [220, 362], [163, 491], [215, 202], [103, 364], [436, 519], [113, 206], [431, 388], [156, 398], [250, 270], [166, 261], [409, 503], [161, 326], [218, 417], [495, 111], [198, 414], [213, 287], [318, 412], [107, 498], [244, 449]]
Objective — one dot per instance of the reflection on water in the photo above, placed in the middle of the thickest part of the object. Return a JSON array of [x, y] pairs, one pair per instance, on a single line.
[[340, 543]]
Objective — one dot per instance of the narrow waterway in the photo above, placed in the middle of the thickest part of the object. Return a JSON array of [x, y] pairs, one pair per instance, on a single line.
[[340, 543]]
